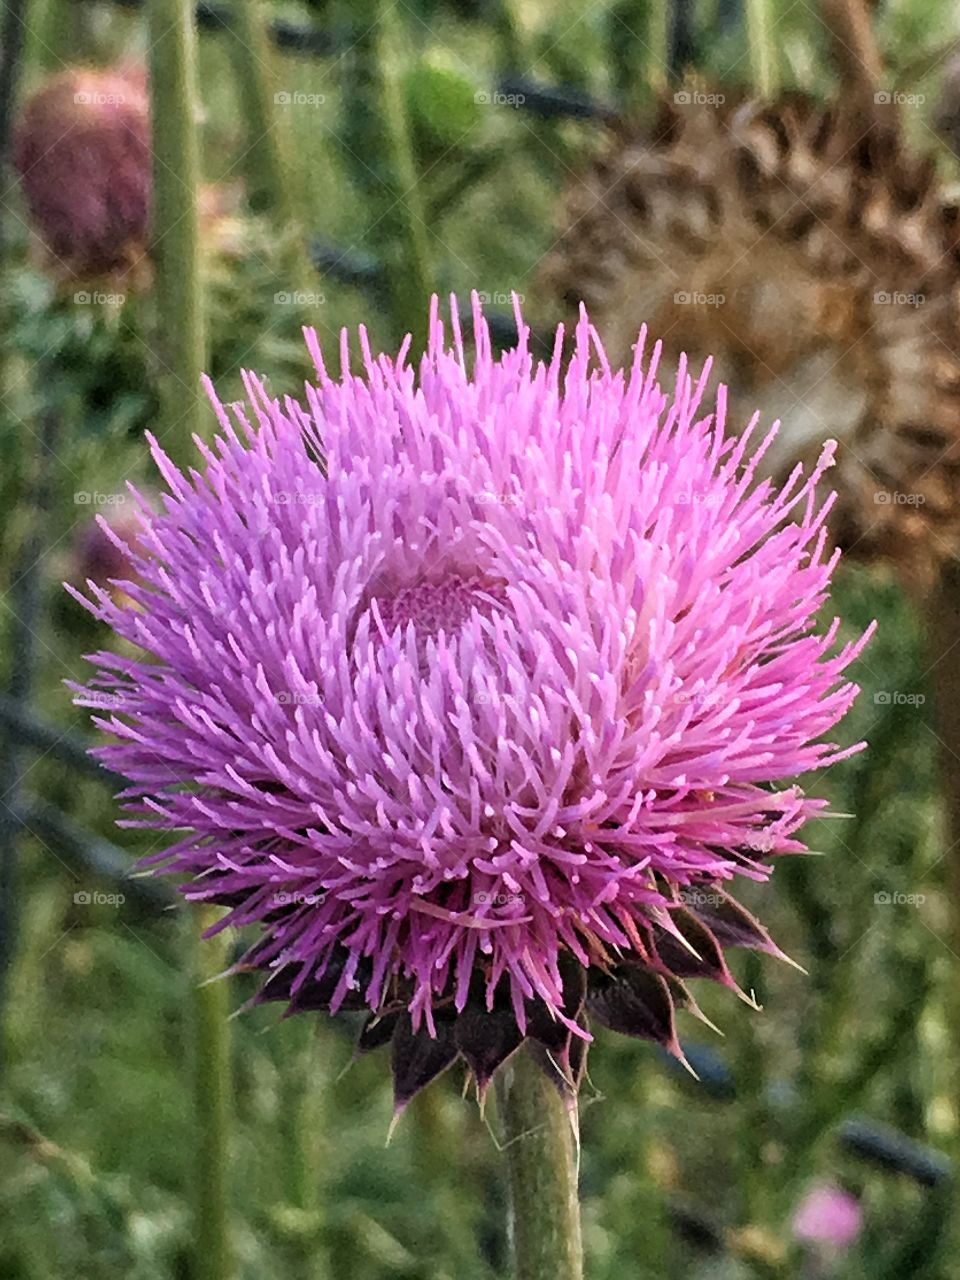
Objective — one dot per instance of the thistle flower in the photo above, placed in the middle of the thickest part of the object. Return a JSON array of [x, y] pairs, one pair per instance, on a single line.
[[82, 149], [477, 691], [816, 260]]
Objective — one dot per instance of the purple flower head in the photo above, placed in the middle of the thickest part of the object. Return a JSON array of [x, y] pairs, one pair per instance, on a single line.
[[476, 686]]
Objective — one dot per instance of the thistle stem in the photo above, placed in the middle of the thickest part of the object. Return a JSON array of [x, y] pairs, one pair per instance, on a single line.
[[541, 1153], [211, 1092], [763, 58], [179, 348], [400, 230]]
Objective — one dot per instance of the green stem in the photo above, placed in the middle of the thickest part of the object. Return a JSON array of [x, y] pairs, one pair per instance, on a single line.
[[211, 1092], [943, 637], [541, 1151], [658, 38], [176, 244], [637, 42], [512, 44], [404, 223], [267, 159], [763, 62]]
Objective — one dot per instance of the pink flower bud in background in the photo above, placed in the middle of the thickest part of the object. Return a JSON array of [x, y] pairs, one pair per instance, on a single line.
[[82, 150], [98, 558], [828, 1215]]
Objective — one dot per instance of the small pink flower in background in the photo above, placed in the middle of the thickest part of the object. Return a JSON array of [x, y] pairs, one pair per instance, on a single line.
[[828, 1215]]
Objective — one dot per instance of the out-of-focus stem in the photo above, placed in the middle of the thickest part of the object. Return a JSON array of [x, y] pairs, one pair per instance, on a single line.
[[408, 262], [211, 1092], [541, 1155], [763, 54], [266, 161], [943, 626], [179, 348], [25, 594]]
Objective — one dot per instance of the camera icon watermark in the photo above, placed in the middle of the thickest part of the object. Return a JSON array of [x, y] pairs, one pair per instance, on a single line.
[[693, 98], [893, 498], [86, 98], [84, 298], [94, 898], [695, 298], [297, 298], [897, 298], [896, 98], [497, 99], [897, 698], [294, 98], [94, 498]]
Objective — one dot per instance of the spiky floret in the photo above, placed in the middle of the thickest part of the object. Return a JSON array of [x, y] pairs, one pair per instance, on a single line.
[[475, 688]]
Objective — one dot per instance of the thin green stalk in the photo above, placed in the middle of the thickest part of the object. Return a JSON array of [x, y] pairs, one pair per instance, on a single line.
[[763, 56], [180, 354], [637, 42], [541, 1150], [406, 244], [266, 162], [179, 348], [26, 600], [514, 55], [658, 38], [943, 634], [211, 1093]]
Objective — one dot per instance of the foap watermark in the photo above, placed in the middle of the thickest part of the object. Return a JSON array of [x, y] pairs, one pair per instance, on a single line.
[[698, 498], [94, 898], [702, 700], [701, 898], [893, 498], [297, 298], [94, 498], [884, 898], [285, 899], [897, 698], [500, 299], [295, 98], [498, 899], [693, 98], [897, 298], [694, 298], [298, 498], [896, 98], [497, 99], [98, 698], [86, 298], [96, 98], [294, 698]]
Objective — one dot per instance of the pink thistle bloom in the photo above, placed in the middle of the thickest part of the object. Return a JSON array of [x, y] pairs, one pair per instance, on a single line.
[[82, 149], [828, 1215], [476, 688]]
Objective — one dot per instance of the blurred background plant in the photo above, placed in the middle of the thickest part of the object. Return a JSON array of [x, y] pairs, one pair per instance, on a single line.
[[354, 157]]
